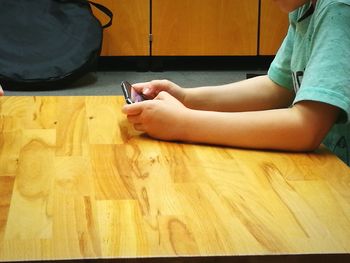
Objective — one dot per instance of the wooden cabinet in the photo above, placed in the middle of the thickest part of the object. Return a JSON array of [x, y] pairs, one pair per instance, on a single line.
[[129, 34], [193, 27], [204, 27], [273, 27]]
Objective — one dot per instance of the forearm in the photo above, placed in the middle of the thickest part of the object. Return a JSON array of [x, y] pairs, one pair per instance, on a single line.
[[298, 128], [282, 129], [258, 93]]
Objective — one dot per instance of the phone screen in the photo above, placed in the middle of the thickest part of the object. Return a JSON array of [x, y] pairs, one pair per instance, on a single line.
[[131, 96]]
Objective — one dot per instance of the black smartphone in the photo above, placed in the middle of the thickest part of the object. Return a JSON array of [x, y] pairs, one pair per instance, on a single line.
[[131, 96]]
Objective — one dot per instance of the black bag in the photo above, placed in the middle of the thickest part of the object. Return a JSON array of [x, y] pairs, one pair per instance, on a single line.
[[47, 44]]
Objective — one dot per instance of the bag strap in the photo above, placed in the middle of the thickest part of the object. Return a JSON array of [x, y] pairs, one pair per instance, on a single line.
[[106, 11], [100, 7]]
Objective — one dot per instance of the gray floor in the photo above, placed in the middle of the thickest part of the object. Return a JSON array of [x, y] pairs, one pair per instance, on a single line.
[[108, 83]]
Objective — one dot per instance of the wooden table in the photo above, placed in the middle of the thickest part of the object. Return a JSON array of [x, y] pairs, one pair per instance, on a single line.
[[77, 182]]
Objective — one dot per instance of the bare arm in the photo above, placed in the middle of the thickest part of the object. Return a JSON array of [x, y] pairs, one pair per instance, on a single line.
[[299, 128], [1, 91], [259, 93]]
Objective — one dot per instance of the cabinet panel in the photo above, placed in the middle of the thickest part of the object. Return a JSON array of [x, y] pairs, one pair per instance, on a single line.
[[204, 27], [273, 27], [129, 34]]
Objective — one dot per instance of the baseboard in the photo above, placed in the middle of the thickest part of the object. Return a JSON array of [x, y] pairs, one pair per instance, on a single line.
[[146, 63]]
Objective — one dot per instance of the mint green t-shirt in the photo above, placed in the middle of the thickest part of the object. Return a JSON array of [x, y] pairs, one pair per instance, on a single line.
[[314, 60]]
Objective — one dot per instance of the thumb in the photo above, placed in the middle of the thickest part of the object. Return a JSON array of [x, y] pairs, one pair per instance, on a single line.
[[144, 89], [167, 98], [163, 95], [132, 109]]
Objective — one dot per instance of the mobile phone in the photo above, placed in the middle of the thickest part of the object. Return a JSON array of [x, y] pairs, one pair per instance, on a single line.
[[131, 96]]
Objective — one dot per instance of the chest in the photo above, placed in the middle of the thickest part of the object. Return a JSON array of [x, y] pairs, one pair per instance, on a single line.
[[303, 45]]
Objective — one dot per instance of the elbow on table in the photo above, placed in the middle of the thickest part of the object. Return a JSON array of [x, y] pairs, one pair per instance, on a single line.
[[310, 145], [312, 122], [310, 140]]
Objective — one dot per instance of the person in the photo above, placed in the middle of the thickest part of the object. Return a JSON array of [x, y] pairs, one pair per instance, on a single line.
[[1, 91], [303, 100]]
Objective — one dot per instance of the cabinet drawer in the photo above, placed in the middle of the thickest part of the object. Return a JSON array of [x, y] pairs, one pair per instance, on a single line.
[[204, 27]]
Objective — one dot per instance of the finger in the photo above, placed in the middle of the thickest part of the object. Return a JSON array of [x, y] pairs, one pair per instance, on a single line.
[[139, 127], [143, 88], [133, 109], [140, 86], [163, 95], [150, 89], [133, 119]]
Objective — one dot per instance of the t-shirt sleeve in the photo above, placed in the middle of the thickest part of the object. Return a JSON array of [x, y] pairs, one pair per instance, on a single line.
[[327, 73], [279, 70]]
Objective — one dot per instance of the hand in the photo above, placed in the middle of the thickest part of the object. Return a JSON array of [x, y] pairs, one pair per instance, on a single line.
[[151, 89], [1, 91], [161, 118]]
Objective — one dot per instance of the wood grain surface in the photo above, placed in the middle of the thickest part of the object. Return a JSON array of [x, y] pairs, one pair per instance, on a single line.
[[76, 181], [205, 27]]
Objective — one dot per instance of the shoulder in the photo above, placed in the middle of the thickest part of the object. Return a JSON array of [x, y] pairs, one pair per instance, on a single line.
[[333, 14], [325, 3], [324, 6]]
